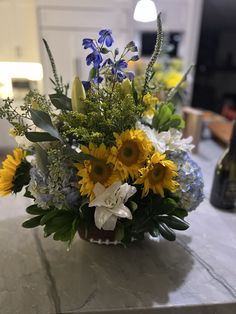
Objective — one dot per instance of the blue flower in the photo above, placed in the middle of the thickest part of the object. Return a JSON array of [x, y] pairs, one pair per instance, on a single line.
[[130, 75], [86, 84], [98, 79], [108, 61], [117, 70], [95, 58], [88, 43], [105, 36]]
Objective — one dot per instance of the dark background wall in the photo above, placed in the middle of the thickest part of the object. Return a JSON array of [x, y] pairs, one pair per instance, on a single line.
[[215, 81]]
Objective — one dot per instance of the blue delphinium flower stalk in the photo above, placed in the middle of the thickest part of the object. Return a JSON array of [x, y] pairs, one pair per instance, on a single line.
[[106, 37], [190, 190]]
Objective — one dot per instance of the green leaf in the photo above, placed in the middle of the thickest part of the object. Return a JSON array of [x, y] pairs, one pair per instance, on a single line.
[[176, 121], [43, 121], [33, 222], [104, 50], [119, 232], [92, 73], [51, 214], [166, 232], [175, 222], [61, 101], [39, 137], [179, 212], [41, 158], [35, 210]]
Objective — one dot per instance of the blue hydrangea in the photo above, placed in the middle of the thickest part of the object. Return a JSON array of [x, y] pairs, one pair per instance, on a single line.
[[190, 181]]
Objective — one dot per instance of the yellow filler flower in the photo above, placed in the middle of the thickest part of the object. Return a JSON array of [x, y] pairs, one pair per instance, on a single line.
[[97, 170], [158, 175], [150, 103], [131, 150], [8, 171]]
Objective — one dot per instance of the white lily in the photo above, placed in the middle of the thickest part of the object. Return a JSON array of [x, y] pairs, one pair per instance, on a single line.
[[110, 202]]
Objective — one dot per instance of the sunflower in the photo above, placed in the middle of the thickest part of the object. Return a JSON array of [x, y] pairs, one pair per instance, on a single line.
[[97, 170], [158, 175], [131, 150], [9, 169], [150, 103]]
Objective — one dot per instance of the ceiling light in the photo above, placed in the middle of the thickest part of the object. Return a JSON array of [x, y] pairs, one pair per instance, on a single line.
[[145, 11]]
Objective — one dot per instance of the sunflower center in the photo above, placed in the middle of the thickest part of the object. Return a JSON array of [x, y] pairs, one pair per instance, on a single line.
[[129, 153], [157, 174], [100, 171]]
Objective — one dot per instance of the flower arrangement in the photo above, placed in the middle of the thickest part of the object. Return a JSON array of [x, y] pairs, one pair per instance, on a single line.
[[96, 162]]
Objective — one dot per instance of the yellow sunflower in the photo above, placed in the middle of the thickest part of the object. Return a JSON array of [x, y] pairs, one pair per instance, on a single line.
[[150, 102], [8, 171], [158, 175], [98, 170], [131, 150]]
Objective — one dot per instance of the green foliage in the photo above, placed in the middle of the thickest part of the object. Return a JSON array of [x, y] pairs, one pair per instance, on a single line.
[[154, 215], [112, 112], [62, 224], [22, 176], [43, 121], [9, 112], [35, 100], [61, 101], [165, 118], [39, 137]]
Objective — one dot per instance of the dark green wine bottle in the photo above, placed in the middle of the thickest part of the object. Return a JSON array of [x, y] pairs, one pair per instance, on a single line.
[[223, 193]]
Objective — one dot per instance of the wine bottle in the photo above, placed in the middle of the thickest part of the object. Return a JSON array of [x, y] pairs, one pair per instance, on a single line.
[[223, 193]]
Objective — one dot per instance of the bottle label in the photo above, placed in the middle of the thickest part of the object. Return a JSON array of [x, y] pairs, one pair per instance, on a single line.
[[230, 191]]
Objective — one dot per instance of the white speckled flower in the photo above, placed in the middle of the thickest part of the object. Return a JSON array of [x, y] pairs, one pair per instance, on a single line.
[[110, 202], [169, 140]]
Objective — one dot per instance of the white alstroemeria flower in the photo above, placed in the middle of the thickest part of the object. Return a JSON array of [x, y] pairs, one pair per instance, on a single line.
[[172, 140], [110, 202], [168, 140]]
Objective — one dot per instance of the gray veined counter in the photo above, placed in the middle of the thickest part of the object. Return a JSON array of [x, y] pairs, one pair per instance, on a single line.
[[194, 275]]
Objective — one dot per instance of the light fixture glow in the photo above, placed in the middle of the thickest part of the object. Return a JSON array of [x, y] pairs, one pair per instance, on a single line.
[[26, 70], [5, 87], [145, 11]]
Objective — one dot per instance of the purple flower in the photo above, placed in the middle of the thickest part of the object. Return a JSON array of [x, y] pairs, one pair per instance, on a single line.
[[130, 75], [108, 61], [95, 58], [120, 76], [98, 79], [117, 69], [105, 36], [88, 43], [86, 84]]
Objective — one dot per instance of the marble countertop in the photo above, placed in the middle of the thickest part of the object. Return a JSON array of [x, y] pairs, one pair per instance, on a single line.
[[194, 275]]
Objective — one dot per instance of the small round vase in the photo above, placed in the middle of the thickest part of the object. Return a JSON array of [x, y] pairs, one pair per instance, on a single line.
[[94, 235]]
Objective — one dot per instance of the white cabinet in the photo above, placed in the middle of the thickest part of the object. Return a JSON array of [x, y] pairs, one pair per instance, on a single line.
[[18, 31], [65, 24]]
